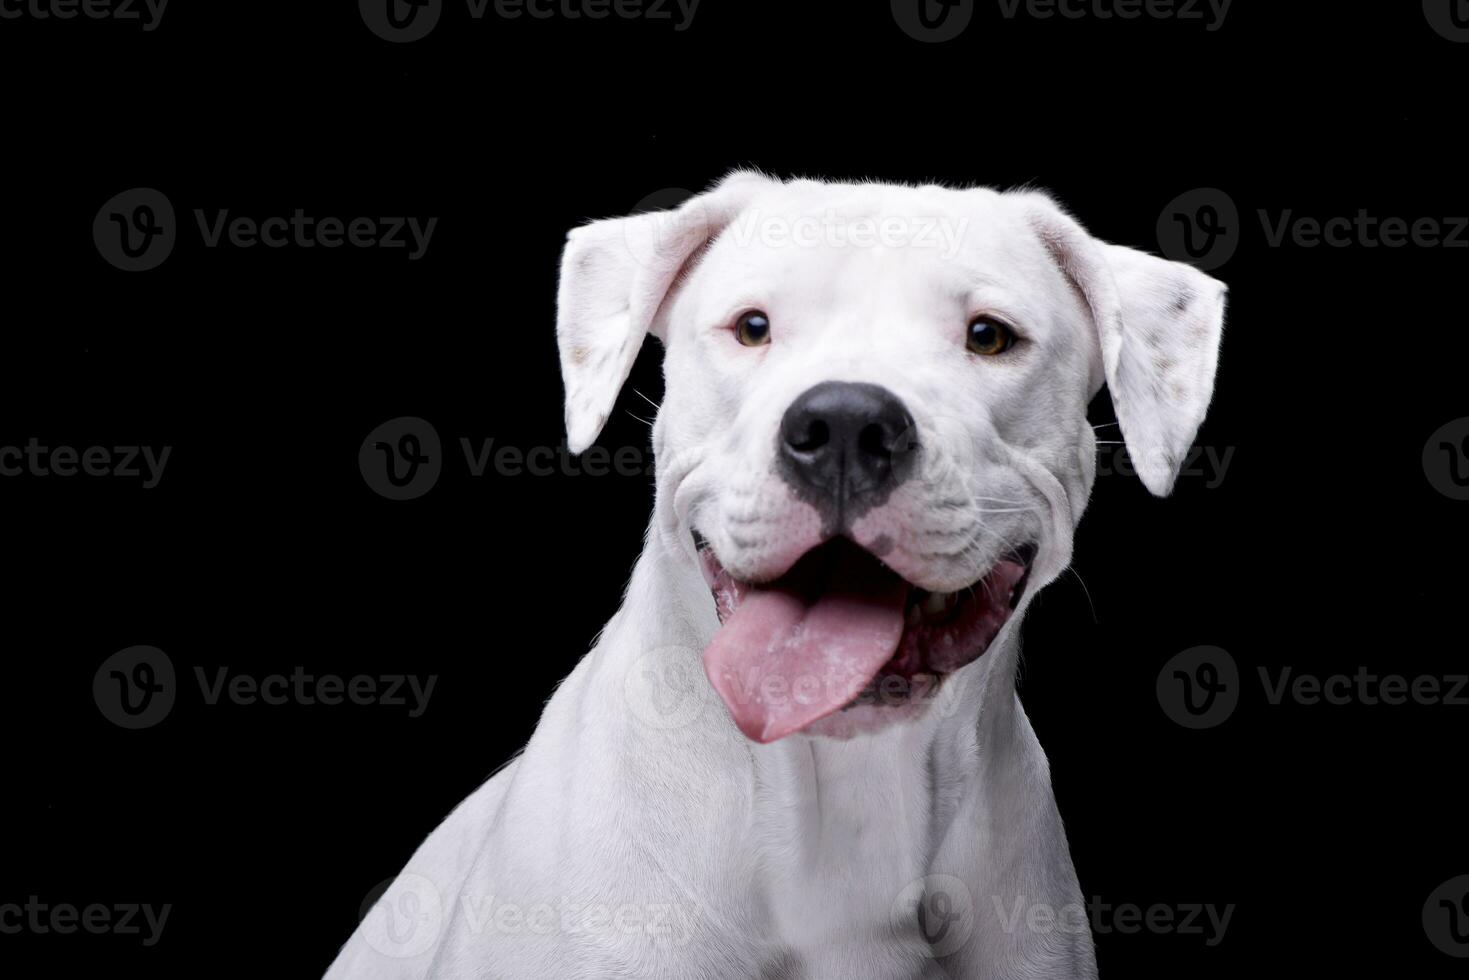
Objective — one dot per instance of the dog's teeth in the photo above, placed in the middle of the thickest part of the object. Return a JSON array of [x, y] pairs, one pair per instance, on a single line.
[[936, 603]]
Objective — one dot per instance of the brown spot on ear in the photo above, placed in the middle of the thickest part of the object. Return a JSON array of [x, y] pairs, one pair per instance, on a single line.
[[1182, 300], [578, 354], [1166, 364], [1179, 391], [1155, 339]]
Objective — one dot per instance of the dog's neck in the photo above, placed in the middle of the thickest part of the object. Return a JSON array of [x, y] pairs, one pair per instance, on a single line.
[[894, 791]]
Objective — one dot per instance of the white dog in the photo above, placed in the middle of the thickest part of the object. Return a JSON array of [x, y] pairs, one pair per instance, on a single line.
[[796, 751]]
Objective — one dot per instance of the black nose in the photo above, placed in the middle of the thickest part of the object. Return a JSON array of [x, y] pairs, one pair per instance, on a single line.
[[844, 447]]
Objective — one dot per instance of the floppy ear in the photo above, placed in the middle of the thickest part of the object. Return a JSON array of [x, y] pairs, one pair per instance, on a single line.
[[1158, 327], [615, 276]]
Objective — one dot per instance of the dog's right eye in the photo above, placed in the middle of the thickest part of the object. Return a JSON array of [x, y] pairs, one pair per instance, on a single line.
[[753, 328]]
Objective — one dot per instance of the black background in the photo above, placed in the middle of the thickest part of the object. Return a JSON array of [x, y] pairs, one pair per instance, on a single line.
[[1325, 547]]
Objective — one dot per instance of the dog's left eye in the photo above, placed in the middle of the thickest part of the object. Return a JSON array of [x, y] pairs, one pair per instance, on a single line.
[[989, 336]]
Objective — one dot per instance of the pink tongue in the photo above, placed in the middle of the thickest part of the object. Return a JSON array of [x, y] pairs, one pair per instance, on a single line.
[[781, 663]]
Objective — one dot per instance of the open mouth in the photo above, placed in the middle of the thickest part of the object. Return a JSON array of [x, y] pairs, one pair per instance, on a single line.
[[841, 629]]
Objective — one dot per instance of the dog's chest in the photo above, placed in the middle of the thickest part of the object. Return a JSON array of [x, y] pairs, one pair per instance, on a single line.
[[844, 840]]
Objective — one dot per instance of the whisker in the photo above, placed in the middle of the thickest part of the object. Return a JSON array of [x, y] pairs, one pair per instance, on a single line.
[[1085, 591]]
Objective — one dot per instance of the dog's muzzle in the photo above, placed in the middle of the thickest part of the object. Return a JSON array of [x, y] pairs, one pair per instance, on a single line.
[[839, 629]]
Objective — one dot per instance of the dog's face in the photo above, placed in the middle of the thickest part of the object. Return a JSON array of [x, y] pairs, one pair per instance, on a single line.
[[874, 429]]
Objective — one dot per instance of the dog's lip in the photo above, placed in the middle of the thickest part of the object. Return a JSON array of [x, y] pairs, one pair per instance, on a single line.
[[930, 613], [705, 554], [1023, 555]]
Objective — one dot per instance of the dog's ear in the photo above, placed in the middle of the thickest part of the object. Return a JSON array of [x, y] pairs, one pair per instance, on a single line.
[[615, 276], [1158, 327]]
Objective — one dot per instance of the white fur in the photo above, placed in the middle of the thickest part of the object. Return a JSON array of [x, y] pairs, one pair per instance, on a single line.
[[804, 859]]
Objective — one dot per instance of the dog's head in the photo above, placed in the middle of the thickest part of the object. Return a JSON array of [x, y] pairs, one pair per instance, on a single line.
[[874, 431]]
